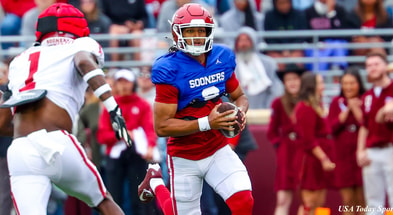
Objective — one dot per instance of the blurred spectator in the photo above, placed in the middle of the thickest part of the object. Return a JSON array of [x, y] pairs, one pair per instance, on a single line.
[[98, 22], [301, 4], [168, 8], [315, 139], [256, 72], [389, 6], [222, 6], [122, 12], [29, 19], [348, 5], [370, 14], [242, 13], [5, 142], [128, 164], [281, 133], [110, 79], [128, 17], [146, 88], [267, 5], [11, 24], [345, 116], [283, 17], [375, 148], [1, 13], [152, 46], [75, 3], [327, 15], [153, 9], [218, 7]]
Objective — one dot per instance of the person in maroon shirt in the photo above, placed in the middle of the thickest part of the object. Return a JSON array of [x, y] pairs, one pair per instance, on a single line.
[[315, 139], [375, 149], [281, 133], [345, 116]]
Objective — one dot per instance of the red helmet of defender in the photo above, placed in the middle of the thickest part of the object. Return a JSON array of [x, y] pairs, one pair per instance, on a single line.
[[63, 18], [188, 16]]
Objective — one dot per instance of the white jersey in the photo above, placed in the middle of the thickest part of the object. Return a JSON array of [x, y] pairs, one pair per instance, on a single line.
[[50, 66]]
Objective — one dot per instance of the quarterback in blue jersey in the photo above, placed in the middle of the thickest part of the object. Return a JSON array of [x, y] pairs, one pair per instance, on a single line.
[[190, 81]]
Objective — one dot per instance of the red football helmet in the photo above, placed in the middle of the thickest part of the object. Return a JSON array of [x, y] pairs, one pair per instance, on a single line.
[[61, 17], [192, 15]]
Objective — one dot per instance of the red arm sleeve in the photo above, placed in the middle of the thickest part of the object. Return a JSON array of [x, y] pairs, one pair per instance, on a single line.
[[232, 83], [306, 121], [105, 134], [147, 125], [273, 134], [166, 93], [334, 112]]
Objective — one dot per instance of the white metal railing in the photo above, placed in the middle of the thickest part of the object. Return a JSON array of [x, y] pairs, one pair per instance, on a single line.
[[310, 34], [152, 37]]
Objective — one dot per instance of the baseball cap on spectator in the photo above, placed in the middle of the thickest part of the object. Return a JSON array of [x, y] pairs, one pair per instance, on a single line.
[[125, 74]]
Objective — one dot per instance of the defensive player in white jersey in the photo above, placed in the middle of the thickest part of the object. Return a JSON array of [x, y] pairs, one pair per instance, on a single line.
[[46, 91]]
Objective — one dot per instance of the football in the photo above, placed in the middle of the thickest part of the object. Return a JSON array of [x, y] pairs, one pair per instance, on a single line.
[[230, 106]]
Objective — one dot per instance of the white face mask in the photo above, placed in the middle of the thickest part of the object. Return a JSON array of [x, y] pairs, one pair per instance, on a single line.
[[321, 8]]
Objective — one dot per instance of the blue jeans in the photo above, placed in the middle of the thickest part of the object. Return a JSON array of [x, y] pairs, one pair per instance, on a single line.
[[337, 49], [10, 26]]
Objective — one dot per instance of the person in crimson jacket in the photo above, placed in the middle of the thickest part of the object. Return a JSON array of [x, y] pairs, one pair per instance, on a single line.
[[375, 148], [315, 138], [125, 163], [281, 133], [345, 116]]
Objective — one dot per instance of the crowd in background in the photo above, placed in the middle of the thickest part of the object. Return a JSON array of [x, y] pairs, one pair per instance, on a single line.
[[266, 83], [138, 16]]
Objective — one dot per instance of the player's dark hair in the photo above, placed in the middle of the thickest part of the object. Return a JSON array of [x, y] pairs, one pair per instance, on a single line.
[[173, 49]]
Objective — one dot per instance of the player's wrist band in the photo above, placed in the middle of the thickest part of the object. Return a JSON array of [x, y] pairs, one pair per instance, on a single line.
[[110, 103], [101, 90], [203, 123], [92, 74]]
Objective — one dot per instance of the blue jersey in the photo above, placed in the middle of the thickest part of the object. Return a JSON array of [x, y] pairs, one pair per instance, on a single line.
[[194, 81]]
